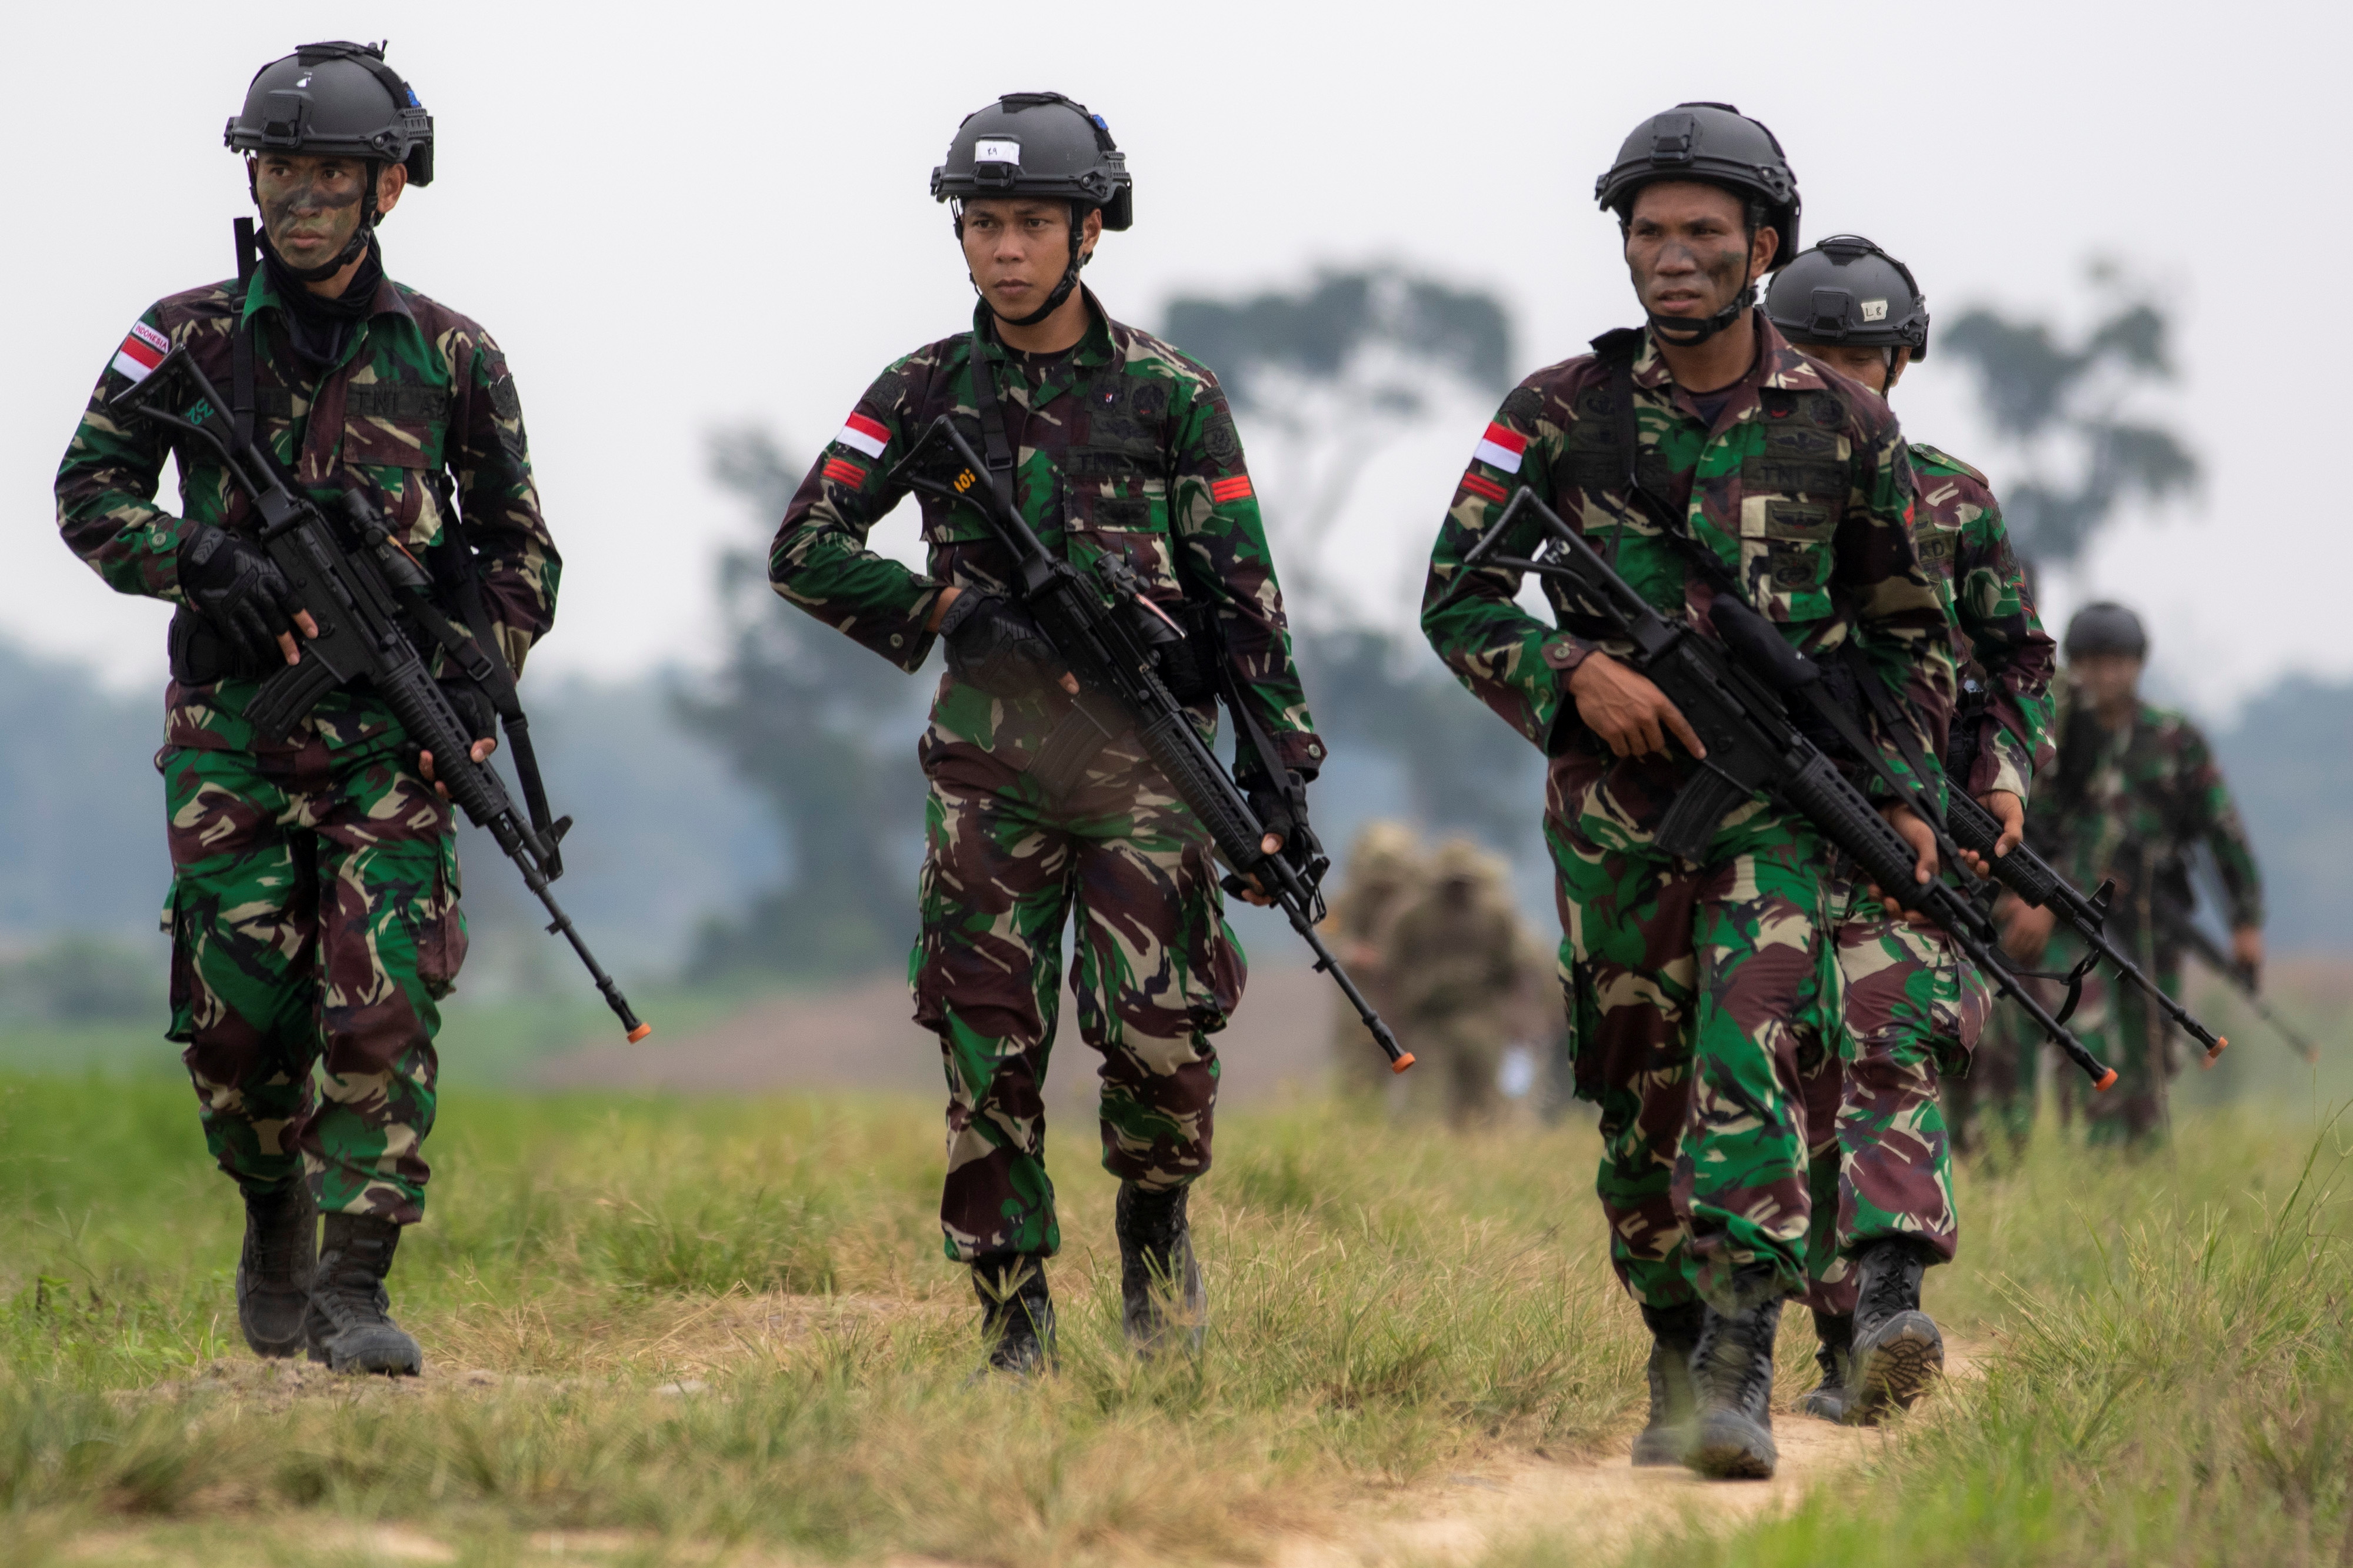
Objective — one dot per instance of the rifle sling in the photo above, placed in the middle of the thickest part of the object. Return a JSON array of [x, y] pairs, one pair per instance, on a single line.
[[240, 351]]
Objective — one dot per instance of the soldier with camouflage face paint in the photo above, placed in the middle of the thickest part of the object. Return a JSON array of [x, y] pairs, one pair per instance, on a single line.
[[1702, 998], [1112, 442], [1882, 1156], [313, 913], [2135, 793]]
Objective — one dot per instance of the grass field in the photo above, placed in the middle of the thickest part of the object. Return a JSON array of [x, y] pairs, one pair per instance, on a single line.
[[721, 1331]]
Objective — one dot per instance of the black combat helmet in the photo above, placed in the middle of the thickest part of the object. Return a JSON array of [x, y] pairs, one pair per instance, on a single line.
[[1713, 143], [1847, 291], [1040, 144], [2106, 627], [337, 99]]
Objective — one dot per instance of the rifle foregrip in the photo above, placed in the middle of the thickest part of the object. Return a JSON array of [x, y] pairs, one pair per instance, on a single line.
[[1192, 775], [2023, 871], [1845, 816]]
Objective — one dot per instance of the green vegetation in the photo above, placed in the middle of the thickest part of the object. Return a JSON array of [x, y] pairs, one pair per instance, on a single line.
[[699, 1332]]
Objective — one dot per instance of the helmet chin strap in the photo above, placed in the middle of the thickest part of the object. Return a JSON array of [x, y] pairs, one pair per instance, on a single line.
[[1701, 330], [1062, 290]]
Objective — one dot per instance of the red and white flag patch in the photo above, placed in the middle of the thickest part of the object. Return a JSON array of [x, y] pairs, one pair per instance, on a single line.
[[864, 434], [1500, 448], [1237, 488], [141, 352]]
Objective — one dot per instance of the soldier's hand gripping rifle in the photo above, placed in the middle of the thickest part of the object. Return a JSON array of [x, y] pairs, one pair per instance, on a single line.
[[2031, 878], [2174, 928], [1099, 620], [1732, 694], [365, 601]]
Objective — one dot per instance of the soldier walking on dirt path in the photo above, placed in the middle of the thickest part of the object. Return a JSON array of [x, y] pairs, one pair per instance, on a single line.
[[2135, 792], [314, 913], [1386, 869], [1112, 443], [1704, 996], [1881, 1144], [1456, 954]]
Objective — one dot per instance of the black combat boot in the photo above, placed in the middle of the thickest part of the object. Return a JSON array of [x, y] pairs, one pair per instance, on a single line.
[[1675, 1334], [1897, 1351], [273, 1271], [1016, 1312], [1835, 1355], [350, 1327], [1158, 1270], [1732, 1373]]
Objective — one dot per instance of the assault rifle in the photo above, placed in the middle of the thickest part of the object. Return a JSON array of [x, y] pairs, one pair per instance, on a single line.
[[1109, 634], [2031, 878], [2174, 928], [1737, 695], [368, 603]]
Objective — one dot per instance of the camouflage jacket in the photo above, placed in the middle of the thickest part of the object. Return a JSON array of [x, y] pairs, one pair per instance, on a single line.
[[2134, 806], [420, 391], [2006, 658], [1800, 488], [1123, 445]]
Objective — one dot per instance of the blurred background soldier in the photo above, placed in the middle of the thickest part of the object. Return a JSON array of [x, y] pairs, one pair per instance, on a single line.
[[1385, 868], [1879, 1139], [2135, 792], [1460, 972]]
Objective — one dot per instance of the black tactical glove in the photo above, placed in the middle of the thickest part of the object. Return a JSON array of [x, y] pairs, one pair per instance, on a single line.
[[1283, 808], [992, 644], [475, 710], [240, 592]]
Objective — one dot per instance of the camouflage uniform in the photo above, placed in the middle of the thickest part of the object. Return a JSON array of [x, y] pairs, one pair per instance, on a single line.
[[1385, 872], [1123, 445], [1701, 997], [1459, 953], [2134, 807], [314, 913], [1882, 1162]]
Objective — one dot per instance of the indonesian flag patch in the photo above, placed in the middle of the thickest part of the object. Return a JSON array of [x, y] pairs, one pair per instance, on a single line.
[[1500, 448], [1237, 488], [141, 352], [864, 434]]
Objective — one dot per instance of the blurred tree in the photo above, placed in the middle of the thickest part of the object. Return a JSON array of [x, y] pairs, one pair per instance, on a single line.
[[1326, 376], [1322, 378], [815, 724], [2065, 407]]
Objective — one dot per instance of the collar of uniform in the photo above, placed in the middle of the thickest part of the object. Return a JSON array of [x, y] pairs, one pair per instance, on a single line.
[[1776, 364], [1094, 349], [259, 295]]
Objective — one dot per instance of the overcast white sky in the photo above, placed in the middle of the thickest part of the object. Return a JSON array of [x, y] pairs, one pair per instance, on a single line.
[[680, 214]]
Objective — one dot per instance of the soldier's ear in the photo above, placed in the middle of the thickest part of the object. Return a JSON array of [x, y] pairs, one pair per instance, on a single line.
[[1090, 231], [390, 181]]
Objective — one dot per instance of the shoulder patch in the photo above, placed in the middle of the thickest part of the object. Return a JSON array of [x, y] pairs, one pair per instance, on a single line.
[[142, 350], [1221, 442], [504, 400], [1525, 405]]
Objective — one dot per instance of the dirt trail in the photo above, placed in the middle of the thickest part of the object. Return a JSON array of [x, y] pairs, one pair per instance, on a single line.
[[1607, 1505]]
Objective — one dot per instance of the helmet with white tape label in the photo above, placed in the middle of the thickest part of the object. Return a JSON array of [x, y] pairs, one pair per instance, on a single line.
[[1037, 145], [1847, 291]]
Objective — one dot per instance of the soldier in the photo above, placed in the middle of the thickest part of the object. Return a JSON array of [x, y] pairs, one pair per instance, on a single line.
[[314, 914], [1112, 442], [1458, 958], [2135, 793], [1882, 1162], [1385, 872], [1702, 996]]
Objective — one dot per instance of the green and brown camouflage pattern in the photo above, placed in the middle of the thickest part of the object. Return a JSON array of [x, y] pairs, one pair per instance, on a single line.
[[420, 394], [1704, 1001], [2131, 807], [1156, 972], [1800, 489], [314, 922], [1122, 446], [2001, 647]]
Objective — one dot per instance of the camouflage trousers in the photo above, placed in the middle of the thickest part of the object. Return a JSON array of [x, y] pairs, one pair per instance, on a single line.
[[1704, 1002], [1156, 972], [315, 924], [1881, 1162]]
